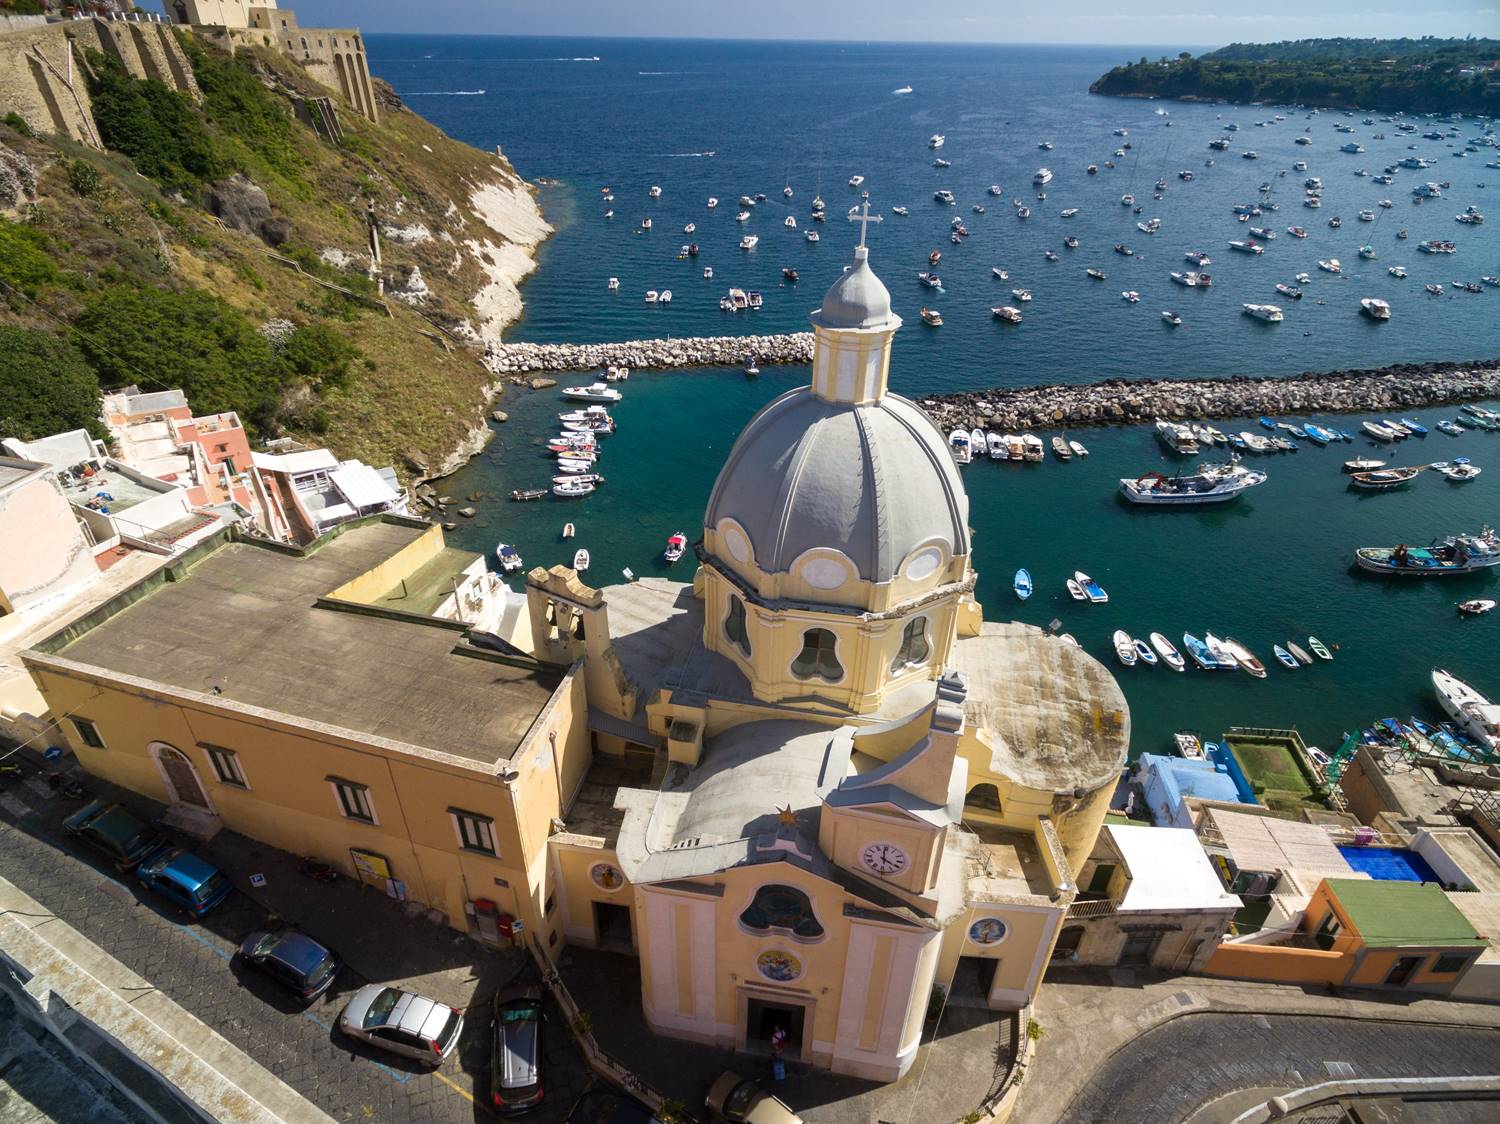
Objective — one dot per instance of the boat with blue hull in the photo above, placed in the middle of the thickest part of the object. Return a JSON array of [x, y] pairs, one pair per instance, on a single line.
[[1457, 554], [1022, 584]]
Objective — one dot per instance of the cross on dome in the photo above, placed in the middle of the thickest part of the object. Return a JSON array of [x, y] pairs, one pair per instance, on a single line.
[[864, 218]]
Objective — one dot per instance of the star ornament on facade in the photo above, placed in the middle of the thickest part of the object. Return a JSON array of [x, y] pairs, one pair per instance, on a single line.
[[786, 817]]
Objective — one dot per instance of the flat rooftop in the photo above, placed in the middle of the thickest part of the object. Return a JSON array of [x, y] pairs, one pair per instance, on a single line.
[[1008, 862], [430, 585], [12, 470], [244, 619], [126, 492]]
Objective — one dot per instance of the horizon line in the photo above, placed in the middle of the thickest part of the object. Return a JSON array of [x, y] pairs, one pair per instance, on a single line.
[[786, 39]]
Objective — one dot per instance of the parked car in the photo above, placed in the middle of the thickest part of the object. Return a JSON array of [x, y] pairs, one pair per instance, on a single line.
[[113, 832], [182, 877], [403, 1022], [294, 960], [741, 1101], [602, 1105], [516, 1051]]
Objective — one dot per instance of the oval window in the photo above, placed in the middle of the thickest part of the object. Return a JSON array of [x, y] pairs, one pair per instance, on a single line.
[[736, 544], [824, 573], [924, 563]]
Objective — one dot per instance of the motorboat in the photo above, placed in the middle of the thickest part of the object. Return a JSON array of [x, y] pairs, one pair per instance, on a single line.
[[1123, 250], [1007, 313], [1438, 246], [1198, 258], [1288, 291], [958, 445], [580, 560], [1124, 646], [749, 241], [1060, 449], [676, 547], [1456, 554], [856, 180], [1130, 296], [652, 296], [614, 285], [712, 202], [1450, 428], [666, 296], [1068, 212], [1022, 584], [1383, 479], [1171, 317], [931, 317], [1397, 271], [1375, 308], [937, 140], [1050, 255], [1246, 246], [789, 222], [567, 531], [508, 557], [1045, 146], [996, 446], [1472, 712], [1245, 658], [1096, 274], [931, 280], [1075, 591], [655, 192], [789, 274], [1022, 295], [523, 495], [943, 195], [1268, 312], [1186, 278], [594, 392], [1457, 472], [1167, 650], [1297, 231], [1210, 484], [1476, 607], [573, 489], [1031, 448], [811, 236], [1070, 241], [1042, 176], [1176, 437], [593, 478], [1127, 200], [900, 210], [1091, 589]]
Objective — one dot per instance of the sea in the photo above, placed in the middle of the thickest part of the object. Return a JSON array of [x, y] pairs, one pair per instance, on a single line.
[[588, 118]]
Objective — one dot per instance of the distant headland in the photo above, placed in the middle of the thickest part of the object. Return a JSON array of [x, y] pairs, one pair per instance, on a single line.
[[1409, 75]]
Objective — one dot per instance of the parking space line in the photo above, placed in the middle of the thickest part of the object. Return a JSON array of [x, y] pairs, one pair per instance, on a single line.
[[457, 1088]]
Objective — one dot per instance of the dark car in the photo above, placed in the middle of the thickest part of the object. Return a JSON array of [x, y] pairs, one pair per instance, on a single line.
[[516, 1055], [113, 832], [601, 1105], [292, 959], [182, 877]]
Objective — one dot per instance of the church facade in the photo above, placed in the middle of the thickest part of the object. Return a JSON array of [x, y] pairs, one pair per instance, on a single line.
[[814, 793]]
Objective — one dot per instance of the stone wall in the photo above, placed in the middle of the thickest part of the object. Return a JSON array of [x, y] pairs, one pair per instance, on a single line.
[[332, 56], [41, 80]]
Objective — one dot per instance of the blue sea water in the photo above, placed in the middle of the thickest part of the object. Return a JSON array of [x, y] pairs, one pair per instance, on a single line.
[[588, 114]]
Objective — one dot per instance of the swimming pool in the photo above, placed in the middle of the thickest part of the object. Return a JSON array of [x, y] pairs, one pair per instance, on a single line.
[[1389, 864]]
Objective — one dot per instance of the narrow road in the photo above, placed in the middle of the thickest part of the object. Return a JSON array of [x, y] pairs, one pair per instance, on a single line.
[[1165, 1075]]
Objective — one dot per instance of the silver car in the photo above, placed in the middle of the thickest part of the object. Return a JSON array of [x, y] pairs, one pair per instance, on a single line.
[[403, 1022]]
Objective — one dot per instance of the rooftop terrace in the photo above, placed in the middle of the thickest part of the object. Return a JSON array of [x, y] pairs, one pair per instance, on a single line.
[[245, 620]]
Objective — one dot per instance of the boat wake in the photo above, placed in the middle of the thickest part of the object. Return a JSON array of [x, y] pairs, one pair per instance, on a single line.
[[686, 155], [444, 94]]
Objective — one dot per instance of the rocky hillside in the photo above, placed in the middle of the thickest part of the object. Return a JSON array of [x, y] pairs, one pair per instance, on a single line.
[[223, 244]]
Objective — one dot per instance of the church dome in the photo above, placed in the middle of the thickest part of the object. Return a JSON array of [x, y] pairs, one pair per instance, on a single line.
[[858, 299], [873, 481]]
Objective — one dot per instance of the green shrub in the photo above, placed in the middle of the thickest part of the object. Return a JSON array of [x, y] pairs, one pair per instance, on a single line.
[[152, 124], [22, 7], [317, 354], [47, 387], [84, 179], [18, 123], [239, 105], [25, 258]]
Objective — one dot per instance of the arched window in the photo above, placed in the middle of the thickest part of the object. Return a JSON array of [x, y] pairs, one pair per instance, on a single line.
[[818, 656], [914, 649], [734, 625], [782, 907], [983, 796]]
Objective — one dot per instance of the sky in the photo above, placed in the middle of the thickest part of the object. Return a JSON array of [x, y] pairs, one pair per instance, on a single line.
[[1214, 22]]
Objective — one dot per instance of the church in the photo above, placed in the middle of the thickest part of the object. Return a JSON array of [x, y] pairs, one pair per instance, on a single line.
[[863, 790], [813, 792]]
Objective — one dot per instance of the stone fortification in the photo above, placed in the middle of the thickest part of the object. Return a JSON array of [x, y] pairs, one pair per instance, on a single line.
[[701, 351]]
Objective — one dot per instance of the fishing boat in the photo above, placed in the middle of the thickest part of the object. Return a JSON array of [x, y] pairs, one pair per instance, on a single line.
[[1298, 652], [1168, 652], [1285, 658], [1091, 589], [1075, 591], [1199, 652], [1022, 584], [1456, 554], [1124, 647], [1210, 484], [1144, 653], [1476, 607], [1318, 648], [958, 445], [1223, 658], [594, 392], [1471, 711], [581, 560], [508, 557], [1384, 479], [1244, 657], [676, 547]]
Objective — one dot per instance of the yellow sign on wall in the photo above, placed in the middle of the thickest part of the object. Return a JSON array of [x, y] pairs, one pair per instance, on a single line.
[[370, 865]]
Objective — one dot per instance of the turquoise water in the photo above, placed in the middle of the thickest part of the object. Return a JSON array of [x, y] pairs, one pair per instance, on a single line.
[[1272, 566]]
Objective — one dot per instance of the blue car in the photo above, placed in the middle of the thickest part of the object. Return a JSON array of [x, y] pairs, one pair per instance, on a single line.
[[184, 879]]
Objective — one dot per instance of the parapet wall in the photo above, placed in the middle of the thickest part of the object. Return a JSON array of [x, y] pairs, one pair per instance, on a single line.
[[41, 79], [332, 56]]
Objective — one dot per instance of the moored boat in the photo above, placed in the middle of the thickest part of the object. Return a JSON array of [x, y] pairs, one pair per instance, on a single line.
[[1319, 649], [676, 547], [1022, 584], [581, 560], [1124, 647], [1168, 652], [1091, 589], [1456, 554], [1244, 657], [508, 557], [1210, 484], [1471, 711], [1298, 652], [1383, 479]]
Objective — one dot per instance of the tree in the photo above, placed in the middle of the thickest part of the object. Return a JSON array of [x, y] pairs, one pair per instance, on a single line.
[[47, 387], [193, 340], [152, 124]]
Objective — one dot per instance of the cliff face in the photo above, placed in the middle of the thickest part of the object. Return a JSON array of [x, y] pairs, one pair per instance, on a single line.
[[288, 207]]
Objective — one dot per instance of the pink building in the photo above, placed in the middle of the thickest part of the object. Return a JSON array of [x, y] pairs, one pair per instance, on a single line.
[[158, 435]]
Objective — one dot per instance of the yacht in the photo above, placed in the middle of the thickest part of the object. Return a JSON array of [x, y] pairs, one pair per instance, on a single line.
[[1007, 313], [943, 195], [937, 140], [1375, 308], [1267, 312], [1396, 270], [1178, 438], [1042, 176], [1330, 265], [594, 392], [749, 241], [1246, 247], [1471, 711]]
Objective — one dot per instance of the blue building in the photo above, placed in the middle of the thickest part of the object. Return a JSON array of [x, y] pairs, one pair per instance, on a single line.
[[1167, 782]]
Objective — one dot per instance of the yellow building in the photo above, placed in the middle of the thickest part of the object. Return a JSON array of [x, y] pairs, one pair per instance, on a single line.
[[808, 790]]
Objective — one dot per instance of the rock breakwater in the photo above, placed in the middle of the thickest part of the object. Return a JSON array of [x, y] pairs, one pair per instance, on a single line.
[[1399, 387], [699, 351]]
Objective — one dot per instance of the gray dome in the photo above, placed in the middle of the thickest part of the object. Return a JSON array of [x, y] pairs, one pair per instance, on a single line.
[[873, 481], [858, 299]]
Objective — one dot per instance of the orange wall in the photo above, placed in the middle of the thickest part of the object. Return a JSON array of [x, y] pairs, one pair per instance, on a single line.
[[1279, 964]]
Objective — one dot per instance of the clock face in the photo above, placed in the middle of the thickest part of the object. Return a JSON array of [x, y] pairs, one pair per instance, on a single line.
[[884, 858]]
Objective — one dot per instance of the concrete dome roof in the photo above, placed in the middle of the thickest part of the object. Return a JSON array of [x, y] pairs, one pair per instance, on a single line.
[[858, 299], [872, 481]]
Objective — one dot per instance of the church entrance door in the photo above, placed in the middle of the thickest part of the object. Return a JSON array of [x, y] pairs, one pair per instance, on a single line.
[[764, 1018]]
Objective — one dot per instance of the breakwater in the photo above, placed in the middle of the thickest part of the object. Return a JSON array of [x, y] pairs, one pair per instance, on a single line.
[[647, 355], [1401, 386]]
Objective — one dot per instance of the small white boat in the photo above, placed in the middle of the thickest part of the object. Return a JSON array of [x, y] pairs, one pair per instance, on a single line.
[[789, 222], [1078, 448], [594, 392], [581, 560], [1375, 308], [508, 557], [614, 284], [811, 236], [1168, 652], [712, 202], [573, 489], [749, 241], [567, 531], [676, 547], [856, 180], [1075, 591], [1124, 646], [655, 192], [958, 443], [1091, 589]]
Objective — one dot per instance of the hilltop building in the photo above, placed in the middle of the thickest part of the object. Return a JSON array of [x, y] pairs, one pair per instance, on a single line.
[[806, 790], [334, 56]]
